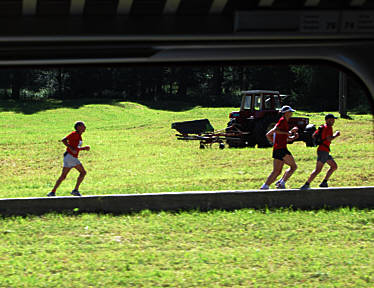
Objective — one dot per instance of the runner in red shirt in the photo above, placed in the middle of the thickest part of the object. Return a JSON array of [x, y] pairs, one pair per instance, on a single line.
[[73, 143], [74, 139], [323, 153], [280, 135]]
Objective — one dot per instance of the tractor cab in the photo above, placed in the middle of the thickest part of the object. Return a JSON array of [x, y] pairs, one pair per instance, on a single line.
[[260, 100], [257, 104]]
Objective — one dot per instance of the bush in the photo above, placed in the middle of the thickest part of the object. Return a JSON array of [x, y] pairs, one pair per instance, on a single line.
[[41, 94]]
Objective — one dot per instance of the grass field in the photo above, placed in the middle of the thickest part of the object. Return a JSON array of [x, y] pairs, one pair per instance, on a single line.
[[135, 151], [246, 248]]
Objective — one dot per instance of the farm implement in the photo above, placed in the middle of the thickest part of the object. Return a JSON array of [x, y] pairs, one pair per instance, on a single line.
[[203, 131]]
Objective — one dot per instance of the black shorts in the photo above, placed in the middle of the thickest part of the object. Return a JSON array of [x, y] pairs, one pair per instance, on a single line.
[[280, 153], [324, 156]]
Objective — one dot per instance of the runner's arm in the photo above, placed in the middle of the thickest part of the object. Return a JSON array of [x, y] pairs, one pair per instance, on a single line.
[[85, 148], [279, 131], [292, 138], [270, 134], [66, 143], [330, 138]]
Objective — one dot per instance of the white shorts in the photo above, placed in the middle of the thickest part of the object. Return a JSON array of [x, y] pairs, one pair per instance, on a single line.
[[70, 161]]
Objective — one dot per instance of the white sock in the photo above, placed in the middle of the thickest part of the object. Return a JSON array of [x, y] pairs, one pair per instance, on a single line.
[[282, 182], [265, 186]]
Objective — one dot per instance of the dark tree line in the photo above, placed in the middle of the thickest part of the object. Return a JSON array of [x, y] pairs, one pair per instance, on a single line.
[[308, 87]]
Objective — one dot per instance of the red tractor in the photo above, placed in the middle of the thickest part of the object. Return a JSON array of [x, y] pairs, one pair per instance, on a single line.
[[259, 112]]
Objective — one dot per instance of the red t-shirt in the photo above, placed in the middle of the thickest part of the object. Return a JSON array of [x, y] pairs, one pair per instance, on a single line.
[[326, 131], [280, 141], [74, 140]]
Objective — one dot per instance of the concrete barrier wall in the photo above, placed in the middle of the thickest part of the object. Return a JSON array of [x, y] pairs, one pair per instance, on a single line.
[[360, 197]]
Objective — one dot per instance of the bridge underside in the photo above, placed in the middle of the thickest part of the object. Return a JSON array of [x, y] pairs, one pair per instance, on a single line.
[[81, 32]]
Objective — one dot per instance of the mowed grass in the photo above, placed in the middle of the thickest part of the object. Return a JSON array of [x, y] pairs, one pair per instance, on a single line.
[[244, 248], [134, 150]]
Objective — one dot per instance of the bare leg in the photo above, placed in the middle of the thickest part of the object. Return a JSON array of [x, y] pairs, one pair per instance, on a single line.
[[333, 167], [316, 171], [82, 173], [290, 161], [64, 173], [277, 169]]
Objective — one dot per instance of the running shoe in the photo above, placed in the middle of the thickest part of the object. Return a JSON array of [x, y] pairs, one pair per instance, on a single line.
[[323, 184], [279, 185], [305, 187], [75, 193]]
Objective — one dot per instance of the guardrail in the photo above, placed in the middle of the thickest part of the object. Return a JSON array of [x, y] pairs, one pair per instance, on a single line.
[[360, 197]]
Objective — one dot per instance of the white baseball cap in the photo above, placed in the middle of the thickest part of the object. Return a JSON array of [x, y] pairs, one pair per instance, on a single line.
[[287, 109]]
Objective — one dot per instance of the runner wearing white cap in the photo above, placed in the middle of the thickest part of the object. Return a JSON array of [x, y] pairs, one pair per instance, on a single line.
[[280, 135]]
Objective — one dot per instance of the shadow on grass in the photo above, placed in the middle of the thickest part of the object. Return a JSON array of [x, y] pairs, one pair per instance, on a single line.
[[35, 106], [168, 105]]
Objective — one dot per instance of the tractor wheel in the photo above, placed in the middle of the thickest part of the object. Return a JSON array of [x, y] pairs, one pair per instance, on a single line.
[[249, 140], [243, 141], [234, 142], [308, 139], [308, 133], [261, 128], [229, 124]]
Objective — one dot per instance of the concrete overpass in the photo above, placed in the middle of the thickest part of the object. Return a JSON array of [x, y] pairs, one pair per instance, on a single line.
[[79, 32]]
